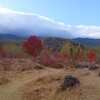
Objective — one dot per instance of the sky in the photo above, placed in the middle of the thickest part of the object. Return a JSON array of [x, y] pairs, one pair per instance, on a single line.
[[79, 17], [71, 12]]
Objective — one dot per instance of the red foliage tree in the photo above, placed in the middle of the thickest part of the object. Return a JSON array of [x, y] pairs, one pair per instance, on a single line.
[[33, 46], [3, 53], [55, 59], [91, 55]]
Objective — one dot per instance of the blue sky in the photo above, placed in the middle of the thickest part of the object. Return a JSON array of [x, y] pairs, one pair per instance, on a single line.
[[70, 12]]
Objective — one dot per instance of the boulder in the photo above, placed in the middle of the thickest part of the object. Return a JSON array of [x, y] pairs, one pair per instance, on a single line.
[[69, 81]]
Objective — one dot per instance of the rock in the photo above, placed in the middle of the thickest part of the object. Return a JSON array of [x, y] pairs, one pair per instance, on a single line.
[[99, 73], [81, 66], [93, 68], [69, 81], [86, 66]]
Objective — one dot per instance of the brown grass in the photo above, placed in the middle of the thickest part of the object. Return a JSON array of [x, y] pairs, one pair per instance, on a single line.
[[16, 64], [48, 87], [44, 84], [3, 80]]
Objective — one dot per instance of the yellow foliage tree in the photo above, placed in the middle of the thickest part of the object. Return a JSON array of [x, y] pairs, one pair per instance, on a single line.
[[14, 50], [72, 51], [67, 49]]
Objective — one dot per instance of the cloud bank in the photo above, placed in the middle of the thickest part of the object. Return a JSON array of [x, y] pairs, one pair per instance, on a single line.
[[25, 24]]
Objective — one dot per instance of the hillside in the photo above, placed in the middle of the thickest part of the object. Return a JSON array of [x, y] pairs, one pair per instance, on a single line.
[[56, 43], [16, 42], [88, 41], [51, 41]]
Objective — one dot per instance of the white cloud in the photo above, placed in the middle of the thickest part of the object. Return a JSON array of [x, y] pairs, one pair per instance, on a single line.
[[32, 24], [4, 10], [88, 31]]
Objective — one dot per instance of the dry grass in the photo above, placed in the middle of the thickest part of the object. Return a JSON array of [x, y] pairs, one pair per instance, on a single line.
[[16, 64], [48, 87], [3, 80], [44, 84]]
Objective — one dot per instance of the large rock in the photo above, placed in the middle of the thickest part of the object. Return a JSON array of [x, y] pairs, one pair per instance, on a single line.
[[69, 81]]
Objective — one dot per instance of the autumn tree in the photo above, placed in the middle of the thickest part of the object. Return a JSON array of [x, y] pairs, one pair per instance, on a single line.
[[14, 51], [33, 46], [67, 49], [91, 56], [79, 52], [3, 53]]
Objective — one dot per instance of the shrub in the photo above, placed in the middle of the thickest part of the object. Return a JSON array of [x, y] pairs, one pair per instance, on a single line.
[[38, 67], [55, 60], [91, 55], [3, 53]]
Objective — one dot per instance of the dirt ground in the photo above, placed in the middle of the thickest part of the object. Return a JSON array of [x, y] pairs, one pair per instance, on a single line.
[[45, 84]]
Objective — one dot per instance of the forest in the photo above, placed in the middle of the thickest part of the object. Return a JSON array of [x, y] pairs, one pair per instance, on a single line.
[[52, 46]]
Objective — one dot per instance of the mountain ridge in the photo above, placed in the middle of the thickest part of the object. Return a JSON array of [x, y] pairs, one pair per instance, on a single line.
[[88, 41], [10, 36], [85, 41]]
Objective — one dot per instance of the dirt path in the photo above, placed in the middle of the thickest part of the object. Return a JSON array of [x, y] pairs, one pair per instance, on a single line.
[[12, 91]]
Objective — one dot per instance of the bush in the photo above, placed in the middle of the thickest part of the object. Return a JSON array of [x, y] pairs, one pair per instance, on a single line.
[[54, 60], [38, 67], [91, 56]]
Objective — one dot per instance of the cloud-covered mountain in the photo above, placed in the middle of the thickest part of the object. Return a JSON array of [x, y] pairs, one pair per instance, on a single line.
[[25, 24], [21, 23]]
